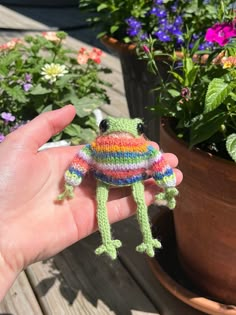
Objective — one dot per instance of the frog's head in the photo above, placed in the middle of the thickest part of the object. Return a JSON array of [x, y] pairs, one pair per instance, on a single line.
[[122, 127]]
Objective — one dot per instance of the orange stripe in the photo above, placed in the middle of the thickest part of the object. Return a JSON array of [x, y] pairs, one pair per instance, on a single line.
[[123, 174]]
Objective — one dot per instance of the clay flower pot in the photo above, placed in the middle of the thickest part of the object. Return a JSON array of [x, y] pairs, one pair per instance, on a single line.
[[205, 219]]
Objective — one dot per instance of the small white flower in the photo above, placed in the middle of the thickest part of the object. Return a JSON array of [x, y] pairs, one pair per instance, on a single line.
[[53, 71]]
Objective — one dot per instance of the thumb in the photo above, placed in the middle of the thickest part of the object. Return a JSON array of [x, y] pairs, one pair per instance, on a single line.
[[39, 130]]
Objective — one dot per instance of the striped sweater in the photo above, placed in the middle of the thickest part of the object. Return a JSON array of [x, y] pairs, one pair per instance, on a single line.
[[120, 162]]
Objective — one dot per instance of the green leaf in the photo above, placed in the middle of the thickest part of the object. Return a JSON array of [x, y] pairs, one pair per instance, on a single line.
[[87, 135], [231, 145], [206, 126], [73, 130], [177, 76], [114, 28], [17, 93], [101, 7], [173, 93], [39, 90], [85, 105], [63, 81], [217, 92], [48, 108]]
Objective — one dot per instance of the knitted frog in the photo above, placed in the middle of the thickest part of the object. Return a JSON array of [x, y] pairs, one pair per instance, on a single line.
[[121, 156]]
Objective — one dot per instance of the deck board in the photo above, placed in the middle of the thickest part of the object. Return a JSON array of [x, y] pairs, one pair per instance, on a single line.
[[20, 299], [77, 270]]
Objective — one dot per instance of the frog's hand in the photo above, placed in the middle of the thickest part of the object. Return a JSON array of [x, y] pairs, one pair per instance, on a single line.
[[75, 173], [167, 198], [165, 178]]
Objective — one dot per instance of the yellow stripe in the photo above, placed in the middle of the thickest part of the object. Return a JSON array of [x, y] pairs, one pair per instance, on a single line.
[[117, 148]]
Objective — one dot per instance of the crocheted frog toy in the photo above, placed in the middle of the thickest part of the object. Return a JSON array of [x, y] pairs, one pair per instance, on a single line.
[[121, 156]]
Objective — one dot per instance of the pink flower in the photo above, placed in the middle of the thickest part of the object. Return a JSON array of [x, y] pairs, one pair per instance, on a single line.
[[11, 44], [84, 55], [95, 55], [220, 33], [51, 36]]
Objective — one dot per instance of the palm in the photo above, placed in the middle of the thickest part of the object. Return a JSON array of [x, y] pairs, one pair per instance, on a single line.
[[33, 222]]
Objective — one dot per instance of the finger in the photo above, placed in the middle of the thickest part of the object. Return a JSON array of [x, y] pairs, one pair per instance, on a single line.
[[179, 176], [43, 127], [171, 159]]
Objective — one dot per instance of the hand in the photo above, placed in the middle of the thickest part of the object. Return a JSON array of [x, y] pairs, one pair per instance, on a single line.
[[34, 225]]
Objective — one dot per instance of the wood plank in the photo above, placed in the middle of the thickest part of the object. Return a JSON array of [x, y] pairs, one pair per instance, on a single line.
[[20, 299], [57, 296], [17, 20], [77, 269], [139, 268]]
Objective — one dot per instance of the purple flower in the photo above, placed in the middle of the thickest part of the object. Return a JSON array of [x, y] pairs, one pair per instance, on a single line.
[[7, 117], [158, 2], [178, 21], [176, 31], [27, 86], [28, 77], [134, 26], [174, 8], [162, 36], [161, 13], [2, 137], [153, 10], [144, 36]]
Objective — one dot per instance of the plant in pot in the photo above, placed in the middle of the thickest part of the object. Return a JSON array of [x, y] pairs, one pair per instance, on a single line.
[[200, 103], [124, 23], [39, 73]]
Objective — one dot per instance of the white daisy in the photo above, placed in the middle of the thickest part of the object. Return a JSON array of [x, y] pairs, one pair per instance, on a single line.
[[53, 71]]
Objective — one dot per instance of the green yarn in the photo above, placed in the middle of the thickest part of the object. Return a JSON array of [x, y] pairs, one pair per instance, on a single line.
[[169, 196], [149, 243], [67, 193], [108, 246]]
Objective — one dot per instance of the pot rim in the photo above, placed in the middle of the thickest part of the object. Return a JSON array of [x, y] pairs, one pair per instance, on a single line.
[[165, 125], [115, 44]]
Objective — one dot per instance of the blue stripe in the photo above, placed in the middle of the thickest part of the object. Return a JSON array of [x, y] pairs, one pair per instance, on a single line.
[[117, 181], [160, 176], [118, 155], [73, 170]]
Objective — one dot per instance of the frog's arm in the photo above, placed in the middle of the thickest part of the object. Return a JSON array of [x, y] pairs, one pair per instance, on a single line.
[[76, 171], [164, 177]]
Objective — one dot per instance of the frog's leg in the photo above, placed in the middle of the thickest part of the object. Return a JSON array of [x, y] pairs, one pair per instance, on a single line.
[[108, 246], [149, 243]]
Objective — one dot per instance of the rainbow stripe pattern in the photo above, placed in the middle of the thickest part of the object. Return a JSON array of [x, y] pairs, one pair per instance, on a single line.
[[121, 161]]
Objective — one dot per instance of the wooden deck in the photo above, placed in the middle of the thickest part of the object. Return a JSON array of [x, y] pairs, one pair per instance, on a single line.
[[76, 281]]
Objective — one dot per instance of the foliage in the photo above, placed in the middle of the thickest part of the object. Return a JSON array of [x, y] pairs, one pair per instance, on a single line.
[[39, 73], [200, 95], [165, 20]]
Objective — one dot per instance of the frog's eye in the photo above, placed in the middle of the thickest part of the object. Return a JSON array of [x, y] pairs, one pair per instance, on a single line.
[[104, 125], [140, 128]]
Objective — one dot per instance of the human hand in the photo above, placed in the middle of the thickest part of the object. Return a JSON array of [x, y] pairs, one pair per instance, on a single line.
[[34, 225]]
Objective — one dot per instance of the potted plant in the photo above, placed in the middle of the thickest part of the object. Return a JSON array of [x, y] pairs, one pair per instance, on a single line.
[[201, 130], [124, 23], [39, 73]]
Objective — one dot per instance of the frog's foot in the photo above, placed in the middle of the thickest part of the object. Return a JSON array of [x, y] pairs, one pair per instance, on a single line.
[[149, 247], [167, 198], [109, 248], [67, 193]]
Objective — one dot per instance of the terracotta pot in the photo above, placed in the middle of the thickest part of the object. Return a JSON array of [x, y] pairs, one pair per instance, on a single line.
[[205, 219]]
